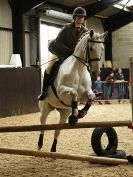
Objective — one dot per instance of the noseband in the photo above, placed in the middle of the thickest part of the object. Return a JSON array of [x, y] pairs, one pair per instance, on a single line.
[[88, 59]]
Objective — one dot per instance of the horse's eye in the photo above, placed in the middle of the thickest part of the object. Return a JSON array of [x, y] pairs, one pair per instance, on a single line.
[[91, 49]]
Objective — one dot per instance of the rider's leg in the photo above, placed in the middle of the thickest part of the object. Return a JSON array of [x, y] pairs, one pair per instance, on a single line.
[[46, 78]]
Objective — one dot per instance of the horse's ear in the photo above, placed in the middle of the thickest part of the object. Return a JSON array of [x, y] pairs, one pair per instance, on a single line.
[[91, 33], [103, 35]]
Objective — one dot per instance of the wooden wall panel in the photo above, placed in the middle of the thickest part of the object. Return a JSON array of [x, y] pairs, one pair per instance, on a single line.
[[19, 88]]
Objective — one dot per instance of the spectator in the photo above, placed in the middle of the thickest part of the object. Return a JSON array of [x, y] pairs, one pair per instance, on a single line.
[[108, 86], [98, 85], [119, 80], [98, 88]]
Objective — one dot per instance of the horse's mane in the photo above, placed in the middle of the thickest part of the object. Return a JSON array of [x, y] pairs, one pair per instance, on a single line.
[[96, 35], [84, 34], [89, 35]]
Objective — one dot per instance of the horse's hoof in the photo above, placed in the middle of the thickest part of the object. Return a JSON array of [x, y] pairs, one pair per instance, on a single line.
[[72, 120], [40, 144], [40, 141], [38, 148], [53, 149]]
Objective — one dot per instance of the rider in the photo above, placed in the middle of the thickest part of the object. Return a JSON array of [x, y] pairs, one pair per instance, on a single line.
[[64, 44]]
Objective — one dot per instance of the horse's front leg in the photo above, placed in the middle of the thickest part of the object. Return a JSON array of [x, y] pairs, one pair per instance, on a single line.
[[91, 96], [64, 90], [73, 118], [63, 117]]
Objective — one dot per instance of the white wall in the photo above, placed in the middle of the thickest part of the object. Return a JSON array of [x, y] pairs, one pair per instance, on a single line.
[[95, 24], [122, 46], [122, 42]]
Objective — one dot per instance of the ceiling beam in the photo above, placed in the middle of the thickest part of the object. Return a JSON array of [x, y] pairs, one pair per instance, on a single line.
[[94, 8], [91, 9], [118, 20], [31, 4], [56, 6]]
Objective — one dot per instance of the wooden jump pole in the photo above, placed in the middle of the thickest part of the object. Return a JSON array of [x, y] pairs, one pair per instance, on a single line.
[[92, 159], [29, 128]]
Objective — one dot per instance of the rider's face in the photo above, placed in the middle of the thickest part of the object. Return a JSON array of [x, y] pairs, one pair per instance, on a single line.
[[79, 19]]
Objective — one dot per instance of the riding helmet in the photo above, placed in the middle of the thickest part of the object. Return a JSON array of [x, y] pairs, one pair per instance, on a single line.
[[79, 11]]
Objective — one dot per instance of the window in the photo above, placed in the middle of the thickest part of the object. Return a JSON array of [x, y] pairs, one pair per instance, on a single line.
[[126, 4], [47, 33], [129, 3]]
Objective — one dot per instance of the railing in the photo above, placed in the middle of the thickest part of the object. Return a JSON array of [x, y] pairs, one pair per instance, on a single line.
[[116, 90]]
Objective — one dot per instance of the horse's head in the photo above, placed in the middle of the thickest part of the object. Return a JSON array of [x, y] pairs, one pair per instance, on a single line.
[[90, 48], [94, 50], [95, 44]]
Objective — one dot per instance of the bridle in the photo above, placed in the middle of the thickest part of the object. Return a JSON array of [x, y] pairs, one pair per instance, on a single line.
[[88, 60]]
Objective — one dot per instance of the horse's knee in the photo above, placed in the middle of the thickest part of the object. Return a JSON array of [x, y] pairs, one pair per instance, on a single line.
[[91, 96], [74, 94]]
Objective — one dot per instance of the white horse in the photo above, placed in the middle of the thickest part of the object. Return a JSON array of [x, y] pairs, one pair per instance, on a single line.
[[72, 85]]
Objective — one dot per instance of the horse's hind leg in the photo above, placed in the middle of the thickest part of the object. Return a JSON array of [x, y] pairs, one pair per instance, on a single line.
[[44, 113], [63, 117]]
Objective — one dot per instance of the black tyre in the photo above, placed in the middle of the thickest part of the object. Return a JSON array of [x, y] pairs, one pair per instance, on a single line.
[[96, 143]]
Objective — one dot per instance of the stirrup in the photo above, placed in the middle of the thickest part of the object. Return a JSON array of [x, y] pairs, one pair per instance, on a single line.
[[42, 96]]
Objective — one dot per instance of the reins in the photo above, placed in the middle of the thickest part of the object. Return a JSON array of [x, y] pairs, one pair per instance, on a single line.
[[47, 62], [81, 60]]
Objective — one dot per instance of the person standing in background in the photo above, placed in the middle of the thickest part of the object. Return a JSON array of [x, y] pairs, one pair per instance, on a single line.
[[108, 86], [98, 88], [119, 80]]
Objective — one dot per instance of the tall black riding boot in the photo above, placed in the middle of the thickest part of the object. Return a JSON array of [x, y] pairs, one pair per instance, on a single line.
[[46, 80]]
